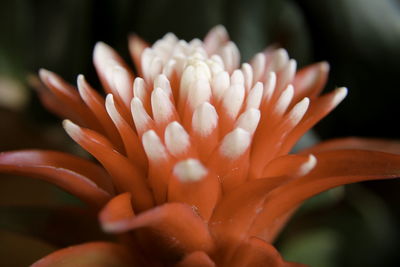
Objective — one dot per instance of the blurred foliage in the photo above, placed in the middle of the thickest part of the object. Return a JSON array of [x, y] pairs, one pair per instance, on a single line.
[[358, 37]]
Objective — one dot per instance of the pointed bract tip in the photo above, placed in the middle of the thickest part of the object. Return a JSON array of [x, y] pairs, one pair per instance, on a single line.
[[43, 72], [80, 79], [72, 129], [324, 66], [340, 94], [101, 51], [100, 45], [47, 76], [109, 99], [190, 170], [308, 166], [299, 110]]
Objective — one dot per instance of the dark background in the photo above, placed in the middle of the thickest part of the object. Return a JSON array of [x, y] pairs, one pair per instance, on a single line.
[[354, 226]]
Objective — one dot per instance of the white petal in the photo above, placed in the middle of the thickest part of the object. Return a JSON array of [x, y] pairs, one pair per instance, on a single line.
[[176, 139], [153, 146], [205, 119], [190, 170], [235, 143]]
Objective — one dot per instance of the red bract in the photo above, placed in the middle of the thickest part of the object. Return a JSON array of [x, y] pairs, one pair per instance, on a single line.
[[194, 165]]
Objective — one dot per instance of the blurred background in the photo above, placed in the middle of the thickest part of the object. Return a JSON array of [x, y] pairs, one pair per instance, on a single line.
[[357, 225]]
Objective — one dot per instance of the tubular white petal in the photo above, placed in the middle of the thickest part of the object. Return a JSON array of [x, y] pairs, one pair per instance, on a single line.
[[73, 130], [231, 56], [340, 94], [284, 100], [279, 59], [237, 77], [255, 96], [220, 84], [307, 166], [249, 120], [122, 84], [161, 106], [205, 119], [190, 170], [288, 72], [81, 87], [146, 59], [103, 54], [153, 146], [269, 86], [217, 59], [176, 139], [139, 89], [169, 68], [298, 111], [258, 64], [155, 69], [162, 82], [139, 114], [200, 92], [186, 79], [111, 109], [170, 38], [214, 67], [248, 76], [235, 143], [233, 99], [215, 37]]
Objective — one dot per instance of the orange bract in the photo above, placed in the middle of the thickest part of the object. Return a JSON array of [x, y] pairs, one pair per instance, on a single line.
[[194, 151]]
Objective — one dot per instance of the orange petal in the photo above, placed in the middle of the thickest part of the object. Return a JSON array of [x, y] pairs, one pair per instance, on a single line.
[[389, 146], [70, 99], [51, 103], [334, 168], [215, 39], [231, 160], [96, 103], [89, 254], [130, 139], [136, 46], [196, 259], [290, 165], [256, 252], [310, 81], [236, 211], [160, 165], [125, 176], [193, 184], [169, 231], [117, 209], [78, 176], [318, 109], [268, 140]]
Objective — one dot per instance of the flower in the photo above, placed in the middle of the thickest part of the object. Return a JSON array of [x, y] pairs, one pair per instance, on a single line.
[[194, 152]]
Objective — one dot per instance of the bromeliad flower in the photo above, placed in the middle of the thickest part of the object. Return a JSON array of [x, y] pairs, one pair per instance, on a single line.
[[194, 152]]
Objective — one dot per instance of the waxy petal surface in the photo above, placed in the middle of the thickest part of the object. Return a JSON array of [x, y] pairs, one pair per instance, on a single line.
[[78, 176], [334, 168], [96, 254]]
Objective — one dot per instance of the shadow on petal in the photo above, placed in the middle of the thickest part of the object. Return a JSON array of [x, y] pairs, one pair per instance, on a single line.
[[256, 252], [166, 232], [196, 259], [102, 254]]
